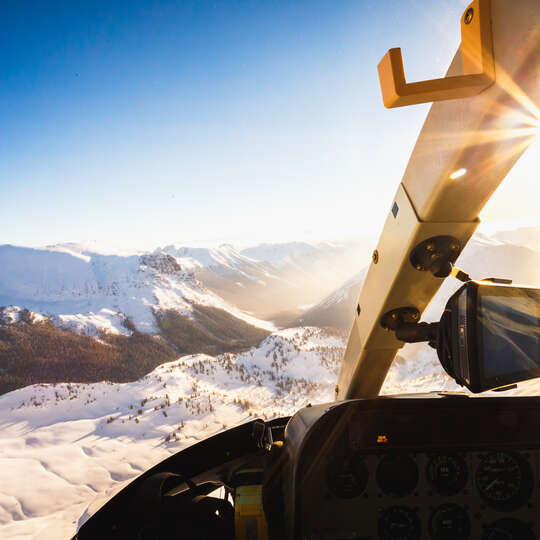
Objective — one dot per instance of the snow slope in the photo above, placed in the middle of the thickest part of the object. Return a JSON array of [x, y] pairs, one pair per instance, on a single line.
[[523, 236], [337, 308], [66, 448], [222, 259], [62, 445], [482, 257], [271, 280], [89, 291]]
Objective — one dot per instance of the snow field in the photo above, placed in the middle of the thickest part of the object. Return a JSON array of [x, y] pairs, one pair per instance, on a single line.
[[91, 292], [64, 445]]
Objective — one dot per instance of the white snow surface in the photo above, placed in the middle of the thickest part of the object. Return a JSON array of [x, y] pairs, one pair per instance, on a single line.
[[341, 294], [65, 448], [270, 260], [12, 314], [197, 257], [91, 291]]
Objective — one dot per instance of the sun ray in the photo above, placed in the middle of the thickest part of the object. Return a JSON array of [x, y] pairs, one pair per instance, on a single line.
[[483, 167], [505, 81]]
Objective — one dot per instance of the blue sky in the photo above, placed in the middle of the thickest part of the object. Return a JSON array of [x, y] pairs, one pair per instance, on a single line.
[[138, 124]]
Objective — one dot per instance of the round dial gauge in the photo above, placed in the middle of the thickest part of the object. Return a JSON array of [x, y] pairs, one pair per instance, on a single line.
[[504, 480], [397, 475], [347, 478], [447, 473], [508, 529], [399, 523], [450, 522]]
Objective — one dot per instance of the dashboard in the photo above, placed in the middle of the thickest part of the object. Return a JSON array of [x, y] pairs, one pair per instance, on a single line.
[[443, 494], [417, 469], [421, 467]]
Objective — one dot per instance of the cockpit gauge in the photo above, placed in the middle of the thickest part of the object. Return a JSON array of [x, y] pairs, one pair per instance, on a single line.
[[508, 529], [449, 522], [504, 480], [399, 523], [397, 475], [447, 473], [347, 477]]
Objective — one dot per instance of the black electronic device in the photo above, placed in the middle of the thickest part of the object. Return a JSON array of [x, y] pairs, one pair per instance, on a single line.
[[489, 335]]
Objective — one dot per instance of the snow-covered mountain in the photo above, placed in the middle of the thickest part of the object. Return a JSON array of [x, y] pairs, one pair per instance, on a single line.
[[337, 309], [71, 314], [483, 257], [66, 448], [62, 445], [91, 292], [273, 281], [522, 236]]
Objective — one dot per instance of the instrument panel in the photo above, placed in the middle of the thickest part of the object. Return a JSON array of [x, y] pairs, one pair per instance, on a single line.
[[359, 486], [443, 495]]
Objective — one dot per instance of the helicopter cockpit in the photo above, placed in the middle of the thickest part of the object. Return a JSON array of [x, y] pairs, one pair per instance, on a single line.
[[440, 465]]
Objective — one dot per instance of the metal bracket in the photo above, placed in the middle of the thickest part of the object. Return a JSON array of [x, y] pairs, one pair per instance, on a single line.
[[436, 254], [477, 61], [404, 315]]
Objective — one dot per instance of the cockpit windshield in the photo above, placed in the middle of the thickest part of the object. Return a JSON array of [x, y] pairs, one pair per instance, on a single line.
[[193, 195]]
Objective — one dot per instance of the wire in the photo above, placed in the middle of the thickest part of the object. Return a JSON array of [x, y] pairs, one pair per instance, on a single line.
[[458, 273]]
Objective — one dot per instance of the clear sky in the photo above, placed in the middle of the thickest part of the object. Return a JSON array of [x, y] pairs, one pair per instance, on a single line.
[[142, 123]]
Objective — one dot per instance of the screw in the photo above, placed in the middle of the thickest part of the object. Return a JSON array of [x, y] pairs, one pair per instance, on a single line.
[[454, 247], [419, 267], [394, 315], [375, 257], [414, 316], [430, 246], [469, 15]]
